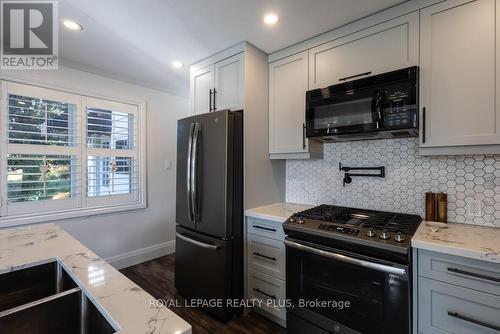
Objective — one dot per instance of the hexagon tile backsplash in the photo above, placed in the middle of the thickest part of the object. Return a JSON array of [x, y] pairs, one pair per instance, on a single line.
[[408, 177]]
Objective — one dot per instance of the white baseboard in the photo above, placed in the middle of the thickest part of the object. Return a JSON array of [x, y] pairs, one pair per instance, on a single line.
[[137, 256]]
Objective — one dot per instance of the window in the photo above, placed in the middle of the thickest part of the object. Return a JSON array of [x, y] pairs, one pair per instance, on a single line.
[[111, 151], [64, 155]]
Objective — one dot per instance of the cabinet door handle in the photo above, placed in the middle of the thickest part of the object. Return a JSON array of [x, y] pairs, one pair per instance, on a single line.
[[265, 294], [473, 321], [264, 256], [355, 76], [471, 274], [215, 94], [210, 100], [423, 125], [304, 136], [264, 228]]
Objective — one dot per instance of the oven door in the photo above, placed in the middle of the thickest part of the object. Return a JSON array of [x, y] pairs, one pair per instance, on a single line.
[[321, 281], [349, 112]]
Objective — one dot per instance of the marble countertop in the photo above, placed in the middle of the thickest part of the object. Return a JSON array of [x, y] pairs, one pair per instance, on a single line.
[[125, 303], [278, 212], [470, 241]]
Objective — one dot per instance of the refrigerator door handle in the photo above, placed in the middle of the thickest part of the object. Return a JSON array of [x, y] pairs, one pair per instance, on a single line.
[[189, 173], [197, 243], [194, 168]]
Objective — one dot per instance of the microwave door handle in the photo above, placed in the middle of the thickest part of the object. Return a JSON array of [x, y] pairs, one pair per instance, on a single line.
[[347, 259], [378, 99], [189, 172]]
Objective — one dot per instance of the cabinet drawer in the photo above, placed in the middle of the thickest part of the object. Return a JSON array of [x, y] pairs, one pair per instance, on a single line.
[[265, 228], [472, 274], [266, 255], [445, 308], [269, 290]]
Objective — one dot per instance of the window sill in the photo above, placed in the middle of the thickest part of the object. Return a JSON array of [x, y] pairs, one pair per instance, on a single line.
[[19, 220]]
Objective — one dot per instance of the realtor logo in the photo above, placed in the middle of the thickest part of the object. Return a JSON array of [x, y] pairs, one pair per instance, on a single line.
[[29, 34]]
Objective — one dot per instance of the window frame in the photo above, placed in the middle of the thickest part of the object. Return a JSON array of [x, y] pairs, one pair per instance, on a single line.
[[12, 214]]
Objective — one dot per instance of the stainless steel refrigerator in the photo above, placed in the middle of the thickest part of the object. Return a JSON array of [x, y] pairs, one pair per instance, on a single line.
[[209, 210]]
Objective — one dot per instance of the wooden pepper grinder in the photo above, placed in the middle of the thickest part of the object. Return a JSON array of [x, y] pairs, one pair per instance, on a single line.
[[431, 207], [442, 207]]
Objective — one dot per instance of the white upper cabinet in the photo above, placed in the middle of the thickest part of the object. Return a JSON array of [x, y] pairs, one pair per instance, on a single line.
[[287, 104], [229, 81], [459, 74], [202, 85], [384, 47], [218, 86]]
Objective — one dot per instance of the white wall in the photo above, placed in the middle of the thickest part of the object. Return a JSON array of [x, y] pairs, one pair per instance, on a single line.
[[134, 236]]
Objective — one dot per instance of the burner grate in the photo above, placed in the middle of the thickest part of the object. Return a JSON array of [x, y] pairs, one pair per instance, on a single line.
[[392, 222]]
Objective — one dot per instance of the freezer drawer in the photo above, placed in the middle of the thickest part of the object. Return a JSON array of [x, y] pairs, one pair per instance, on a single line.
[[446, 308], [203, 270]]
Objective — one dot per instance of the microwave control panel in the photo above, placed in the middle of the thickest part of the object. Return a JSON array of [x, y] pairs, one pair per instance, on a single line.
[[399, 111]]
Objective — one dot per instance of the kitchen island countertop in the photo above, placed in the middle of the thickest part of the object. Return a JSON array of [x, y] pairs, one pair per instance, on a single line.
[[123, 302]]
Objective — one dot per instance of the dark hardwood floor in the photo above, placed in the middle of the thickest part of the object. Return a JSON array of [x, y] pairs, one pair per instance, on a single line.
[[157, 278]]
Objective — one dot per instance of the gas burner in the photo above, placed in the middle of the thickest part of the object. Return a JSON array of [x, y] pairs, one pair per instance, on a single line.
[[389, 230]]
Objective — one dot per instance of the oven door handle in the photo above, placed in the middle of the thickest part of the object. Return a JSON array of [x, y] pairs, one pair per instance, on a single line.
[[347, 259]]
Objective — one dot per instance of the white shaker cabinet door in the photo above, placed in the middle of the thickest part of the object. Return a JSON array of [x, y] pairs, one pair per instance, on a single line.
[[287, 104], [202, 85], [459, 74], [388, 46], [229, 81]]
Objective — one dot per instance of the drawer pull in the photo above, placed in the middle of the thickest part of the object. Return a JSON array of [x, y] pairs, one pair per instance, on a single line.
[[355, 76], [468, 273], [474, 321], [264, 228], [263, 293], [264, 256]]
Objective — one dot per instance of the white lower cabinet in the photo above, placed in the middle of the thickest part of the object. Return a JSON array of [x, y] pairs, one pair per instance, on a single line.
[[269, 291], [266, 255], [455, 295], [446, 308], [265, 268]]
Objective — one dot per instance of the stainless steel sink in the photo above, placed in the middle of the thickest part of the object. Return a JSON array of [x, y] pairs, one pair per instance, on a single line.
[[44, 299]]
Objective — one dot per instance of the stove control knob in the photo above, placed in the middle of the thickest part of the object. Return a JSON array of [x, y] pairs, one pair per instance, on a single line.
[[301, 221], [371, 233], [292, 219], [399, 238], [384, 235]]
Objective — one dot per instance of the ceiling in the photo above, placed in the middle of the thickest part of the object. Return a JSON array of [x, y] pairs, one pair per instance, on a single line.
[[137, 40]]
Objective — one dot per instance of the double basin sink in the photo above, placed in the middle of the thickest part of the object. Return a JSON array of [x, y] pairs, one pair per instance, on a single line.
[[44, 299]]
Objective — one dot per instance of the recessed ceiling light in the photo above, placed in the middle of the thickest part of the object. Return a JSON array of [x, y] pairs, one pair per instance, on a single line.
[[177, 64], [72, 25], [271, 19]]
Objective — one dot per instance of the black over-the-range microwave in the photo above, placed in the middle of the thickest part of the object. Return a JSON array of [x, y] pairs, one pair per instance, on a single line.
[[376, 107]]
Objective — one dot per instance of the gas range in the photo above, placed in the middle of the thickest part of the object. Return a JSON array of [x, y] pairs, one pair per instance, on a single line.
[[363, 256], [383, 230]]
